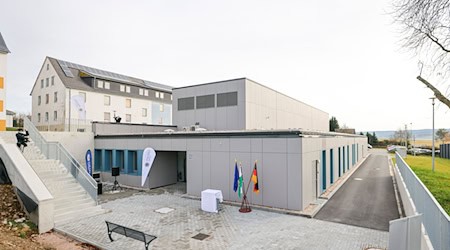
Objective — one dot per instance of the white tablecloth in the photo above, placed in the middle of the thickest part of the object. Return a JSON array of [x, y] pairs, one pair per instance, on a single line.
[[210, 198]]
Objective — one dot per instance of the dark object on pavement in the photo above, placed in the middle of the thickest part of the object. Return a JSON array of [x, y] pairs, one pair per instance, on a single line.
[[22, 139], [128, 232]]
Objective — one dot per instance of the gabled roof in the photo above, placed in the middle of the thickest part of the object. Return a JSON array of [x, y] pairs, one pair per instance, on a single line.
[[70, 75], [3, 48]]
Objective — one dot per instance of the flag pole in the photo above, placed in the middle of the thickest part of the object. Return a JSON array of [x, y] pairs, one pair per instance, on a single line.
[[245, 205]]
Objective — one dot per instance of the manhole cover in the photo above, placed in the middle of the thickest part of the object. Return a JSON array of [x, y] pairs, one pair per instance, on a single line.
[[357, 179], [164, 210], [200, 236]]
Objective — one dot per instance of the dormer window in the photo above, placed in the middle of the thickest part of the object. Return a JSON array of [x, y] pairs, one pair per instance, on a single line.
[[122, 88], [99, 84], [127, 89], [107, 85]]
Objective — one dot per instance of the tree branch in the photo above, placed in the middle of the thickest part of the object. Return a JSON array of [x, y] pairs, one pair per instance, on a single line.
[[436, 92], [435, 40]]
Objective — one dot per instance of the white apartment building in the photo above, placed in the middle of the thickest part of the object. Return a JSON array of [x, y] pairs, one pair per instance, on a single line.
[[68, 96], [4, 51]]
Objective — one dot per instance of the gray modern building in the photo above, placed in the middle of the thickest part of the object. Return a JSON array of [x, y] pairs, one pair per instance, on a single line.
[[297, 158]]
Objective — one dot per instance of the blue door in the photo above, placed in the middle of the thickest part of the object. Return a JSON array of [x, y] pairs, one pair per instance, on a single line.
[[339, 162], [324, 170], [331, 166]]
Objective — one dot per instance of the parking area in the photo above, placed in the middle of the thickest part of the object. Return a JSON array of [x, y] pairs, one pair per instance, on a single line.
[[227, 229]]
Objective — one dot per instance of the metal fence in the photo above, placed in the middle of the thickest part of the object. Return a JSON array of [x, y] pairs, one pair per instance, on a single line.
[[435, 219], [55, 150]]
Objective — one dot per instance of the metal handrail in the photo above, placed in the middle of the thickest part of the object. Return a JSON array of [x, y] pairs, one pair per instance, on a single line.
[[72, 165]]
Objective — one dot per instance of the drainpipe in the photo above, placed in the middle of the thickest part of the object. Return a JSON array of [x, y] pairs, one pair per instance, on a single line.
[[70, 107]]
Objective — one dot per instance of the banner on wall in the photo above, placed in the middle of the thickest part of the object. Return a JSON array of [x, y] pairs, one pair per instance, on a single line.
[[89, 162], [147, 161]]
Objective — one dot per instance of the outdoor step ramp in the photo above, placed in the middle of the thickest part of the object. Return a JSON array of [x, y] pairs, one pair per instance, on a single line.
[[74, 207], [64, 203], [76, 215]]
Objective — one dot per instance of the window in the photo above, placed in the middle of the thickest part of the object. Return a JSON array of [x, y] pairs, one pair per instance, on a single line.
[[122, 88], [186, 103], [98, 160], [141, 91], [227, 99], [55, 96], [161, 107], [127, 89], [46, 98], [46, 116], [53, 80], [128, 117], [161, 95], [39, 100], [128, 103], [42, 83], [47, 82], [157, 94], [107, 100], [132, 161], [55, 115], [205, 101], [48, 66], [106, 117], [99, 84], [146, 92], [120, 160], [144, 112], [39, 117], [83, 94], [171, 97], [106, 85]]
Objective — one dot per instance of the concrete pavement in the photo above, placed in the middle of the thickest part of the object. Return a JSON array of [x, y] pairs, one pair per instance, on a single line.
[[367, 199]]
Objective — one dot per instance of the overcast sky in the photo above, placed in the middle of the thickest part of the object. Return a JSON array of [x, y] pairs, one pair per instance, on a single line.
[[341, 56]]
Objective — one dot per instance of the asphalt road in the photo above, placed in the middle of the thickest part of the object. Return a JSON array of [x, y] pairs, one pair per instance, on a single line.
[[367, 199]]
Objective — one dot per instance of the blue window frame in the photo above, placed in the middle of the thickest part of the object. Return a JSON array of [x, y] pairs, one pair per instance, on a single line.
[[324, 170], [339, 162], [331, 167], [132, 163], [120, 160], [108, 160], [98, 160]]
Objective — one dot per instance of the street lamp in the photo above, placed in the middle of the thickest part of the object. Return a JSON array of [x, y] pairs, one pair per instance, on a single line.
[[414, 140], [432, 149]]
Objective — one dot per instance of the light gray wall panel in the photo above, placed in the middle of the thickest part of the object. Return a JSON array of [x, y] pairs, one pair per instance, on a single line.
[[294, 145], [194, 145], [166, 144], [232, 118], [206, 144], [294, 181], [221, 119], [256, 145], [220, 177], [274, 179], [240, 145], [275, 145], [220, 144], [194, 174], [206, 170], [179, 144]]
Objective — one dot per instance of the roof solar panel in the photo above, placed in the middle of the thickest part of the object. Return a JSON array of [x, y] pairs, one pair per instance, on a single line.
[[110, 75]]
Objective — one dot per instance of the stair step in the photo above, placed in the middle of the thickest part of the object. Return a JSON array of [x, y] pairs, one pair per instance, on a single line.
[[74, 207], [68, 203], [62, 199], [76, 215]]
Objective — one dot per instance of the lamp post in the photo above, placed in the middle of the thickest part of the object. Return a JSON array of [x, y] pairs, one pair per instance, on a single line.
[[414, 141], [432, 147]]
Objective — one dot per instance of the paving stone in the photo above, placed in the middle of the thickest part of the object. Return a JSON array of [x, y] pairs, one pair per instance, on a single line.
[[228, 229]]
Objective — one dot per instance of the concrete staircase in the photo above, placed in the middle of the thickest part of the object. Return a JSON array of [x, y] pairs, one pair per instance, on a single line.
[[71, 201]]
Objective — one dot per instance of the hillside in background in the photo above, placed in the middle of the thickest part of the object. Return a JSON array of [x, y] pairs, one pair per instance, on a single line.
[[420, 134]]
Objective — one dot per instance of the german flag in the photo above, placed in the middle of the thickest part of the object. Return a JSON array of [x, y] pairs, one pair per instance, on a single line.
[[255, 180]]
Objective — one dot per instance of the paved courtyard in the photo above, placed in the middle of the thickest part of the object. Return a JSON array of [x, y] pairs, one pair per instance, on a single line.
[[228, 229]]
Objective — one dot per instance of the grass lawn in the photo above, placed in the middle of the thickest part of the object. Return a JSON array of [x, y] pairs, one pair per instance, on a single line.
[[437, 182]]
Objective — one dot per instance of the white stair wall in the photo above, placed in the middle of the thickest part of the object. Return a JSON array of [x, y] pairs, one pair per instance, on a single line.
[[71, 201]]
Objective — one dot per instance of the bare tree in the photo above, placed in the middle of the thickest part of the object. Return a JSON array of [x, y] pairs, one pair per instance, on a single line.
[[425, 27]]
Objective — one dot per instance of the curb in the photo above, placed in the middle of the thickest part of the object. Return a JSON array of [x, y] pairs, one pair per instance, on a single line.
[[80, 239]]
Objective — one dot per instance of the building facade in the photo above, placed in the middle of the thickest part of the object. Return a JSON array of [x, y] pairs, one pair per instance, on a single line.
[[66, 95], [294, 167], [4, 51], [243, 104]]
